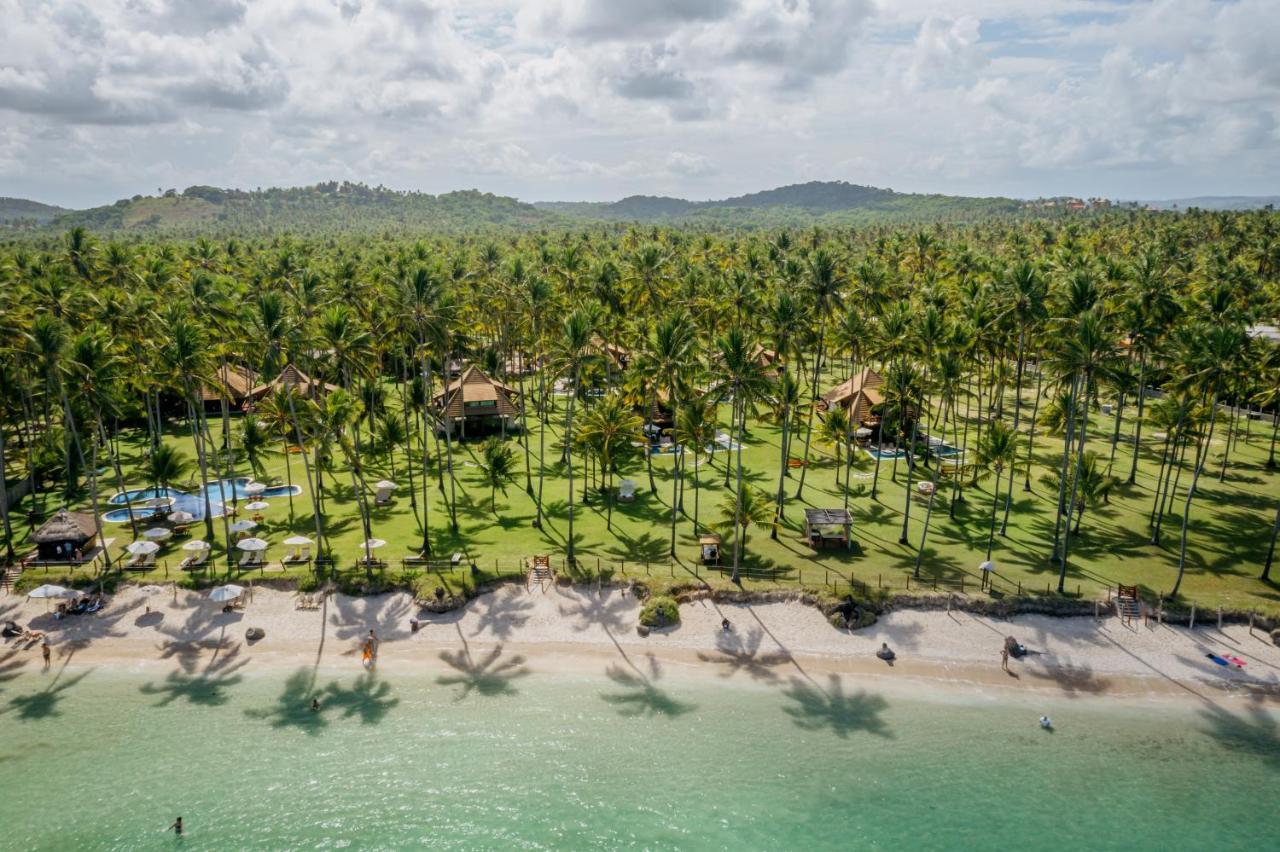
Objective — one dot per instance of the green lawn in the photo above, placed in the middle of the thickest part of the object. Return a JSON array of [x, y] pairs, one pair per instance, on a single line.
[[1229, 529]]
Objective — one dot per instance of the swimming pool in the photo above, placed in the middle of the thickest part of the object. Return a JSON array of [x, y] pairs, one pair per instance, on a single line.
[[884, 454], [219, 493]]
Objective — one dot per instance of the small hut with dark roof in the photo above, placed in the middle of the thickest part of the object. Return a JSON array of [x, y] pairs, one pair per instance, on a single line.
[[291, 377], [62, 535], [473, 400]]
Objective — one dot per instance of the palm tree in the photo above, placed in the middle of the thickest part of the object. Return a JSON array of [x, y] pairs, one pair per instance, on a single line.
[[997, 450], [665, 362], [254, 440], [695, 431], [499, 465], [166, 466], [749, 506], [745, 382], [608, 430], [834, 432], [1026, 290], [574, 352], [823, 281], [1094, 488]]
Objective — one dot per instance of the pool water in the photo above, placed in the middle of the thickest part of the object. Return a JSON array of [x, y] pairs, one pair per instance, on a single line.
[[220, 492], [884, 454]]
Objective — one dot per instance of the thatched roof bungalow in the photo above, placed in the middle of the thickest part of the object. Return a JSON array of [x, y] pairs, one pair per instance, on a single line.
[[63, 534], [857, 396], [291, 377], [475, 400], [231, 381]]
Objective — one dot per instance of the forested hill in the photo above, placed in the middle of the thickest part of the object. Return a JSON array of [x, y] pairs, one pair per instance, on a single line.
[[335, 207], [18, 212], [825, 202], [325, 207]]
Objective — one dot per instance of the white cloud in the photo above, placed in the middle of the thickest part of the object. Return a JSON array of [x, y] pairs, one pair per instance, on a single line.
[[598, 99]]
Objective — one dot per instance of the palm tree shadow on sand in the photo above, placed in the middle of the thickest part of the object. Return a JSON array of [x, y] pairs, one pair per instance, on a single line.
[[817, 708], [43, 704], [640, 695], [742, 654], [490, 675]]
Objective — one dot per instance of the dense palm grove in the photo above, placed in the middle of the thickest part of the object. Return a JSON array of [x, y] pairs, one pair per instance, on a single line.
[[1024, 344]]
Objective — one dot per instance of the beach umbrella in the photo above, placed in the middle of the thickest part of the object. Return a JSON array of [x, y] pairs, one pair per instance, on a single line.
[[157, 533], [373, 544], [50, 591], [257, 505], [385, 485], [254, 488], [181, 517], [253, 544], [228, 592], [862, 432], [142, 548], [298, 541], [243, 525], [196, 544]]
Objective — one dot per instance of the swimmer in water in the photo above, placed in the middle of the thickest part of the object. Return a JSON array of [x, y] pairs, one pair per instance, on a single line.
[[176, 828], [315, 705]]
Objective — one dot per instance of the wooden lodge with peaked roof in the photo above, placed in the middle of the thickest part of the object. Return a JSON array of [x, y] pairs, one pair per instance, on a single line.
[[63, 534], [858, 395], [475, 401], [618, 355], [231, 381], [291, 377], [767, 359]]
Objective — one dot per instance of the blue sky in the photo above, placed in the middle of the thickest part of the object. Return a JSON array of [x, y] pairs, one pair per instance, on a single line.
[[597, 99]]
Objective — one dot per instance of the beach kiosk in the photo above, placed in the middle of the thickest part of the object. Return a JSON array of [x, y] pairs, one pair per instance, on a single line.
[[64, 536], [828, 527], [709, 544]]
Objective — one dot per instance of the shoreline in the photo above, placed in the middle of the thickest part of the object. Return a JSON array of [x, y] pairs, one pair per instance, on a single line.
[[580, 630]]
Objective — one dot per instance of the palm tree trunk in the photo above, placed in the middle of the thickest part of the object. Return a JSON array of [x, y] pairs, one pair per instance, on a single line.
[[675, 471], [568, 449], [198, 439], [995, 505], [737, 538], [542, 439], [1017, 415], [312, 487], [1271, 549], [1191, 493], [808, 432], [4, 502], [93, 494], [1137, 426], [1075, 485], [448, 447], [1068, 436]]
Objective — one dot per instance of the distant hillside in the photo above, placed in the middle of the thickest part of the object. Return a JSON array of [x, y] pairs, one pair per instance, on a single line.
[[1217, 202], [20, 211], [329, 206], [833, 202]]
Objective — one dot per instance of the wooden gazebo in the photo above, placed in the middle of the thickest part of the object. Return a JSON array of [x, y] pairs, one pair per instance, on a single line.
[[474, 398], [857, 395], [709, 548], [826, 527]]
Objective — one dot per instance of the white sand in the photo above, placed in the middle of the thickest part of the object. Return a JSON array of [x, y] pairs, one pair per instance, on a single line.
[[576, 628]]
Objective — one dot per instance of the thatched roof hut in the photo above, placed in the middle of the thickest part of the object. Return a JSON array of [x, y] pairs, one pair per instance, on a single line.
[[291, 377], [475, 398], [857, 396], [64, 533], [234, 382]]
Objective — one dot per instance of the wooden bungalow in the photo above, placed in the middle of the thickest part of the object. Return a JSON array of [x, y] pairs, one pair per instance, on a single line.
[[233, 382], [858, 396], [473, 400], [291, 377], [62, 535], [765, 358]]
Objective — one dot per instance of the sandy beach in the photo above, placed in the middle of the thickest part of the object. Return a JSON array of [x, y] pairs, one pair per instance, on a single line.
[[569, 628]]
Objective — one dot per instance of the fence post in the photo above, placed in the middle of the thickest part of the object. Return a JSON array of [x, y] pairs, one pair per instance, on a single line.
[[1219, 618], [1193, 617], [908, 582], [879, 584], [962, 584], [1019, 588]]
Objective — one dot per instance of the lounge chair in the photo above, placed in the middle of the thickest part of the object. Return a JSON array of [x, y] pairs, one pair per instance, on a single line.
[[626, 491], [303, 602], [299, 554]]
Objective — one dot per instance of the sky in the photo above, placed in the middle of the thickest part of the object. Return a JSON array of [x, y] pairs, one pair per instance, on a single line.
[[599, 99]]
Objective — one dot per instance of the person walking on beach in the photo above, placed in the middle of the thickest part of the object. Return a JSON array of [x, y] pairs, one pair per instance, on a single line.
[[176, 828], [1004, 659], [44, 652]]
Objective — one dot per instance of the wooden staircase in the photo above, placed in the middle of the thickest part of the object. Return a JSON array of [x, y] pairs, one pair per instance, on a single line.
[[1128, 604], [9, 575], [540, 572]]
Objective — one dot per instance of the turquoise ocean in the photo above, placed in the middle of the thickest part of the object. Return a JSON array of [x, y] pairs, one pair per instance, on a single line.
[[483, 754]]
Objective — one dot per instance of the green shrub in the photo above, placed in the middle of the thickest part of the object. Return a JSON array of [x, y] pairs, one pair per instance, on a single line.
[[660, 611]]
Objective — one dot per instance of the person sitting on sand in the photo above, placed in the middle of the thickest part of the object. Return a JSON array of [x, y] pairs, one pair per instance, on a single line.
[[725, 625], [886, 653]]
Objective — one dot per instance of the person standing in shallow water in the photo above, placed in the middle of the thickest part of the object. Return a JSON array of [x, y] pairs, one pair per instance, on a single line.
[[44, 652], [176, 828]]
